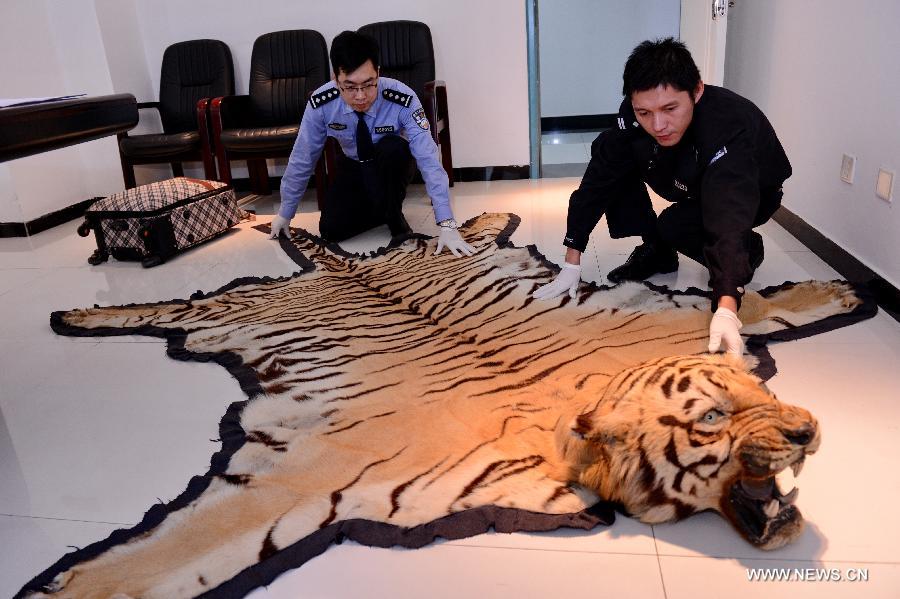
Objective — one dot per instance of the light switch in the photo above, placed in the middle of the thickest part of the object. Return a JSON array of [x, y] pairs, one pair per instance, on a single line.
[[848, 167], [884, 184]]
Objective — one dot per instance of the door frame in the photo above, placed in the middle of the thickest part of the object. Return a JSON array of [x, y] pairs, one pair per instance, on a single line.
[[534, 87]]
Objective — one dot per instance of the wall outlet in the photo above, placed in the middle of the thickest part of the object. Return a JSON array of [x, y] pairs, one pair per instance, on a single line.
[[884, 184], [848, 167]]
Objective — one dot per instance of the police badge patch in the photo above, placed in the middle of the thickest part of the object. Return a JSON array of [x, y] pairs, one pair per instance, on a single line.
[[419, 116], [337, 126]]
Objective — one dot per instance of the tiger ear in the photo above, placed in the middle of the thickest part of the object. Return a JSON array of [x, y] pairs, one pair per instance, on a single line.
[[584, 444], [581, 439], [594, 429]]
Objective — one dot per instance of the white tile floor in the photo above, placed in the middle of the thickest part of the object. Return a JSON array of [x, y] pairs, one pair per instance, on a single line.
[[93, 431]]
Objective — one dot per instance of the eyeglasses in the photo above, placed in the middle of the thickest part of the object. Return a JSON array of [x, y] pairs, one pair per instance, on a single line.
[[356, 89]]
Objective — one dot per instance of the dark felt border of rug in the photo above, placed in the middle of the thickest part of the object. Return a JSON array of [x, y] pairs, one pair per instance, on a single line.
[[367, 532]]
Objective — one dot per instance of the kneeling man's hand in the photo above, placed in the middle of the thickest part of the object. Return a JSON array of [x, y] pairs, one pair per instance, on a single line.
[[280, 225], [452, 240], [566, 281], [724, 332]]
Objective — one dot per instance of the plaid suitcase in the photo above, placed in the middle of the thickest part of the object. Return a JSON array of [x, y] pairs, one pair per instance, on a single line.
[[154, 222]]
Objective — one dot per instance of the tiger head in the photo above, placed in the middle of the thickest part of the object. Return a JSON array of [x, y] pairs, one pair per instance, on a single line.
[[686, 434]]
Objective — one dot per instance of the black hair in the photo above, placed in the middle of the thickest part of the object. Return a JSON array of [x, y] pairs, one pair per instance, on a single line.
[[660, 62], [350, 50]]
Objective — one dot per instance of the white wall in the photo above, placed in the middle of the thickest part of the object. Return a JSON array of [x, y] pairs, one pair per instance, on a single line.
[[57, 47], [827, 74], [584, 45], [51, 48], [480, 52]]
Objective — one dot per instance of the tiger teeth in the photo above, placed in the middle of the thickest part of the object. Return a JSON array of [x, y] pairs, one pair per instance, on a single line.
[[771, 508], [784, 480], [798, 466]]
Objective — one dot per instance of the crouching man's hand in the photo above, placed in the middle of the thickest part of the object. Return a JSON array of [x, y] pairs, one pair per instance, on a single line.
[[724, 332], [453, 241], [565, 282], [280, 225]]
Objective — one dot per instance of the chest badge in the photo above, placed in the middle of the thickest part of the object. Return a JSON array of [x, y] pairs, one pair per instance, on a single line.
[[680, 185], [384, 129], [337, 126]]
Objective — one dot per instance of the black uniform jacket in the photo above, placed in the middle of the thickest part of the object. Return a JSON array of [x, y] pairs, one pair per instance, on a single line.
[[727, 161]]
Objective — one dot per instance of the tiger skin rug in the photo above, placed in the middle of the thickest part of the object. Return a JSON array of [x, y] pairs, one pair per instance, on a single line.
[[397, 397]]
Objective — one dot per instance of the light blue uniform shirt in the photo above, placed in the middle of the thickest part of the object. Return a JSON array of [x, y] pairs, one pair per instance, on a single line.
[[395, 111]]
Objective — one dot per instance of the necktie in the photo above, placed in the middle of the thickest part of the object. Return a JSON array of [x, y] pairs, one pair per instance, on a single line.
[[364, 146]]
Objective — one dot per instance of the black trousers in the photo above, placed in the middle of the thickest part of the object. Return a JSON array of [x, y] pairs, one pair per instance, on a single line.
[[365, 195], [679, 225]]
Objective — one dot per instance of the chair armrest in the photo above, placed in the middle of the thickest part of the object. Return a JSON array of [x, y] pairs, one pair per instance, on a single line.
[[140, 105], [230, 112], [203, 120], [435, 105]]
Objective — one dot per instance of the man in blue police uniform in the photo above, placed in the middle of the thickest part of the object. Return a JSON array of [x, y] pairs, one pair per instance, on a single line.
[[380, 126], [710, 152]]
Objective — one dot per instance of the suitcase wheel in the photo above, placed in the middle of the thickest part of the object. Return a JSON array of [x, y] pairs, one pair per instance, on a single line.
[[151, 261], [98, 257], [84, 229]]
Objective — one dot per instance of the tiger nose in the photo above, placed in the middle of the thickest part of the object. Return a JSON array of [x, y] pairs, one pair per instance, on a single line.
[[802, 435]]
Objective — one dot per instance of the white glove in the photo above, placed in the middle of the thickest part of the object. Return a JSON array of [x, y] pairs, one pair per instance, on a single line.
[[724, 330], [452, 240], [567, 280], [280, 225]]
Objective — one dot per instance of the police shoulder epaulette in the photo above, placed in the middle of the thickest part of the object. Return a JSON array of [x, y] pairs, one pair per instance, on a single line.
[[398, 97], [323, 97]]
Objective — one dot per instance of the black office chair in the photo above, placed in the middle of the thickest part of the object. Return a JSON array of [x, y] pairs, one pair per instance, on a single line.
[[192, 73], [285, 67], [407, 54]]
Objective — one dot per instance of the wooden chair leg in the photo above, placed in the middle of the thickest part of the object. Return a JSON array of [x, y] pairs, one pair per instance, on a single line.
[[259, 176], [224, 164], [127, 167], [206, 144], [444, 135], [177, 169]]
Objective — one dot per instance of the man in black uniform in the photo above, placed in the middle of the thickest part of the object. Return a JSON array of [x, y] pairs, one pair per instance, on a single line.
[[704, 148]]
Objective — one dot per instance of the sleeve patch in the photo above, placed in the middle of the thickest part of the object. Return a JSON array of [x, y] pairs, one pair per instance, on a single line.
[[419, 116], [323, 97], [719, 154], [397, 97]]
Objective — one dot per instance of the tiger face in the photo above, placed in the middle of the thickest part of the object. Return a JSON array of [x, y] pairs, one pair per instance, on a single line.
[[686, 434]]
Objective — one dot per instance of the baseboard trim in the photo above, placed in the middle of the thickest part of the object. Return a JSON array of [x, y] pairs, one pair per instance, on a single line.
[[48, 221], [491, 173], [886, 295], [582, 122]]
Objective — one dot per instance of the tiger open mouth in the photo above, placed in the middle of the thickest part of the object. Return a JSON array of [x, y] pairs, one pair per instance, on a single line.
[[762, 507]]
